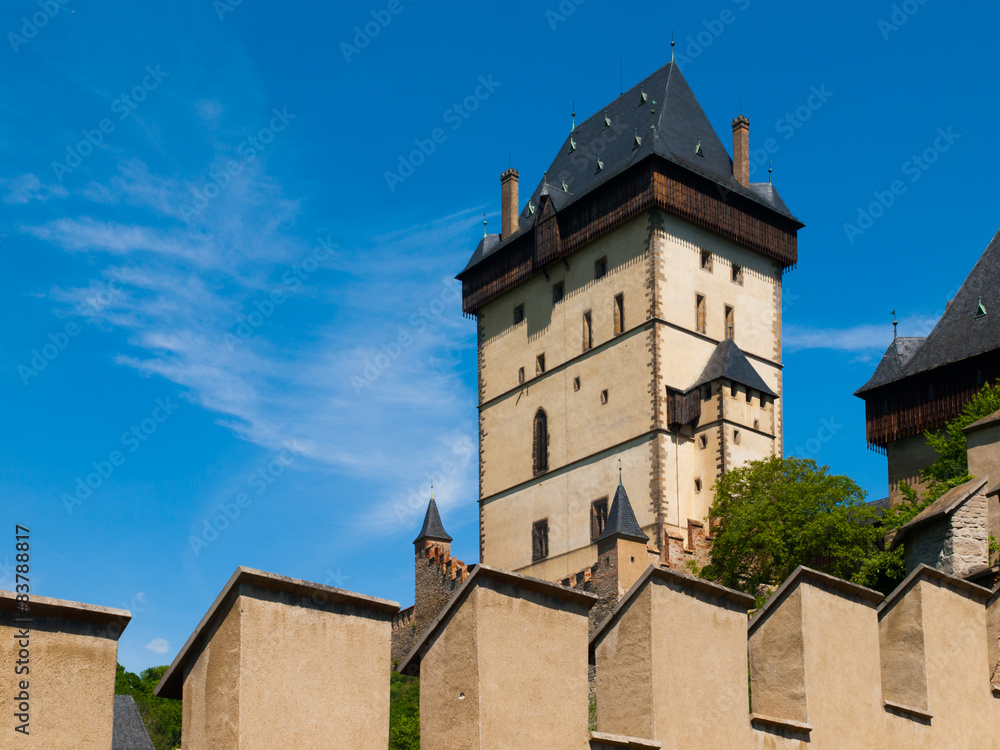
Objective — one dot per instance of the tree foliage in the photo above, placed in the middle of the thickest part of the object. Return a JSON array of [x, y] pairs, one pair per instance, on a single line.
[[404, 712], [952, 465], [162, 716], [775, 514]]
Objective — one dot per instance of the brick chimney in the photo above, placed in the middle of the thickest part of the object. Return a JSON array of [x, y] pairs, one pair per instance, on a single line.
[[741, 150], [508, 201]]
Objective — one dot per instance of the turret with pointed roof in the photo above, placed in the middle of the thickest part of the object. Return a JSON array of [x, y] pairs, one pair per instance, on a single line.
[[433, 529]]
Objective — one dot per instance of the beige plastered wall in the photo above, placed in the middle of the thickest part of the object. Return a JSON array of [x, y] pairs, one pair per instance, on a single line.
[[509, 669], [71, 684], [282, 670]]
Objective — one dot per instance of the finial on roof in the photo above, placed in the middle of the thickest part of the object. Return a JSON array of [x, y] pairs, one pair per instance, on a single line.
[[619, 471], [574, 118], [672, 43], [769, 170], [894, 323], [652, 118], [432, 490], [484, 225]]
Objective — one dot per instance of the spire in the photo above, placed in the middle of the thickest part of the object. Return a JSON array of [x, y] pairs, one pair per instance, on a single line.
[[432, 528], [621, 519]]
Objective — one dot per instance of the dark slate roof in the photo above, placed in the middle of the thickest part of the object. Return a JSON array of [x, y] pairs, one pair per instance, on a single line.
[[621, 519], [129, 732], [958, 334], [943, 506], [432, 528], [681, 131], [728, 361]]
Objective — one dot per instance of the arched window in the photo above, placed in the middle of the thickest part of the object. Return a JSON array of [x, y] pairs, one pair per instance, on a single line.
[[540, 443]]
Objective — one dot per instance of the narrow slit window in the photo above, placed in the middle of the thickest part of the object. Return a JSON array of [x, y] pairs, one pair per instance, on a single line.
[[706, 260], [619, 313], [703, 442], [520, 375], [604, 397], [737, 437], [576, 384], [697, 485], [598, 517], [540, 540], [588, 331], [539, 364], [699, 309], [540, 442], [730, 322], [737, 274]]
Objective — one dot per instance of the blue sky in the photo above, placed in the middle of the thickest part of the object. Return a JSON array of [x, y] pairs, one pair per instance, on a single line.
[[216, 302]]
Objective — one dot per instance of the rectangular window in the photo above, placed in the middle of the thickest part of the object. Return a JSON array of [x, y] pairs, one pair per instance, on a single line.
[[539, 364], [699, 310], [598, 517], [730, 322], [576, 384], [737, 274], [604, 397], [600, 267], [518, 314], [520, 375], [588, 331], [619, 313], [558, 292], [697, 485], [706, 260], [540, 540]]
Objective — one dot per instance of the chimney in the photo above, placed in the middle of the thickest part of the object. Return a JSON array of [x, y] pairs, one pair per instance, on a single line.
[[508, 201], [741, 150]]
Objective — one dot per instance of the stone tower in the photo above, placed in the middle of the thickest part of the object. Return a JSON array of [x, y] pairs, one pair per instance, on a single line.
[[629, 315]]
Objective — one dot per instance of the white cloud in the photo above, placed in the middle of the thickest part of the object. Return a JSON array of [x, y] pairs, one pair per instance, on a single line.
[[158, 646], [27, 187], [324, 368], [868, 337]]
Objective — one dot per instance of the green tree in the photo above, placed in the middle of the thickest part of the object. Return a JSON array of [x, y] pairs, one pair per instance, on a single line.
[[778, 513], [162, 716], [404, 712]]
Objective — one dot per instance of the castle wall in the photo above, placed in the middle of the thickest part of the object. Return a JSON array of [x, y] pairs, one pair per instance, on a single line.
[[956, 544], [70, 654]]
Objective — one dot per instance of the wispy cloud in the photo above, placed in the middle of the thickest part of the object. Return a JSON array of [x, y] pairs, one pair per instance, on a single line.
[[866, 338], [324, 367], [28, 187]]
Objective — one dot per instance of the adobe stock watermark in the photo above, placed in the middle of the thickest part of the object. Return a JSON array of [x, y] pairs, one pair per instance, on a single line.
[[30, 26], [416, 499], [131, 440], [914, 168], [291, 281], [899, 15], [390, 351], [58, 341], [586, 153], [224, 7], [788, 125], [366, 32], [219, 180], [336, 580], [455, 116], [560, 13], [696, 44], [828, 430], [228, 512], [123, 107]]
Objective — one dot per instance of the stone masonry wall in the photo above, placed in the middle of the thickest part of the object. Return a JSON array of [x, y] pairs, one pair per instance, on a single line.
[[956, 544]]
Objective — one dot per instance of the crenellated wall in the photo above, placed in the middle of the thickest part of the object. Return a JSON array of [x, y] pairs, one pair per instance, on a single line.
[[505, 664]]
